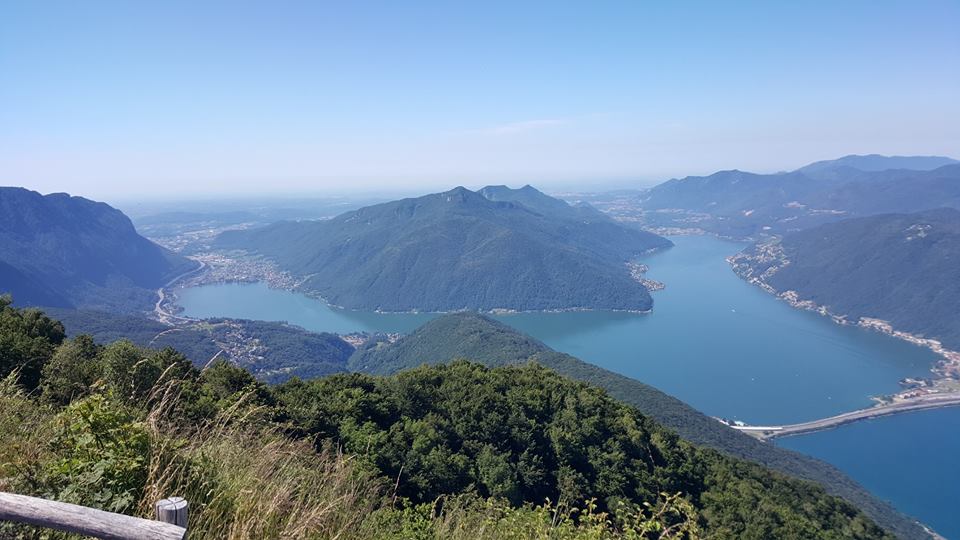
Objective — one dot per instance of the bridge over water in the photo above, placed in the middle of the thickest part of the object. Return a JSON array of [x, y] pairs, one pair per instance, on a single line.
[[932, 401]]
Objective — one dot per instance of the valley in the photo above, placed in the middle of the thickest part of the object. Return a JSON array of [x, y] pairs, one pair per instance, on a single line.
[[845, 366], [260, 297], [480, 271], [735, 350]]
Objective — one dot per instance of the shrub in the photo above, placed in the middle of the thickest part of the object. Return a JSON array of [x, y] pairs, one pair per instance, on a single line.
[[103, 451]]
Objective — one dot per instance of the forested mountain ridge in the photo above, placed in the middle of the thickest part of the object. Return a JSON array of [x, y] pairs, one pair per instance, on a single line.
[[900, 268], [481, 339], [492, 444], [461, 250], [742, 205], [65, 251]]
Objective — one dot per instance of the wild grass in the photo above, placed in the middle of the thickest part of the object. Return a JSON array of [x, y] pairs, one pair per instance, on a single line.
[[25, 430], [246, 479]]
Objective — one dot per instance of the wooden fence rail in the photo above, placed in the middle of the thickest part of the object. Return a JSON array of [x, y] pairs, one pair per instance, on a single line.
[[92, 522]]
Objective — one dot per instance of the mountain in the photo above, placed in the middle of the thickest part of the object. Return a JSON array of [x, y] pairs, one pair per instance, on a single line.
[[64, 251], [28, 289], [901, 268], [481, 339], [744, 205], [461, 250], [893, 191], [876, 163]]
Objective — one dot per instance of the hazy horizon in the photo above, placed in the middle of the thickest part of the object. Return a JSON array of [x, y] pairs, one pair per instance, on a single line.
[[119, 101]]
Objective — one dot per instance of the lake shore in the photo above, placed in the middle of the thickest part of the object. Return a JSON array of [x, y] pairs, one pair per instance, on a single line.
[[222, 268], [946, 371]]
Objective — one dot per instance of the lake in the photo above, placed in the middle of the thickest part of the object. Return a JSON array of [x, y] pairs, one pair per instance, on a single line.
[[727, 348], [908, 459], [712, 340]]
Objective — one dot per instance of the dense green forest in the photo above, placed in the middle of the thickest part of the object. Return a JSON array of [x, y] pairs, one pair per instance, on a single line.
[[461, 250], [458, 451], [58, 250], [900, 268], [485, 340]]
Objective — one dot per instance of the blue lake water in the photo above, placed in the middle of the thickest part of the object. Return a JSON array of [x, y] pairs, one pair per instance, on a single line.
[[910, 460], [712, 340], [727, 348]]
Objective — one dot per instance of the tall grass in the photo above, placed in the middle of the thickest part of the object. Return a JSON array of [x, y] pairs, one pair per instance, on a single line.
[[244, 479], [25, 430]]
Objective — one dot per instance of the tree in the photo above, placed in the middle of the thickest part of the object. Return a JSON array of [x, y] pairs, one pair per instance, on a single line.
[[28, 339], [72, 371]]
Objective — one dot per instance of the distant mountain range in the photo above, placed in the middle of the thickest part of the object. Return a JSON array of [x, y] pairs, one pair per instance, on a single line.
[[496, 248], [63, 251], [482, 339], [901, 268], [743, 205], [877, 162]]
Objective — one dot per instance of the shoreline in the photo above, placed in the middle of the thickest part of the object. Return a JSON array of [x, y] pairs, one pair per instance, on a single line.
[[946, 370], [222, 269], [492, 311]]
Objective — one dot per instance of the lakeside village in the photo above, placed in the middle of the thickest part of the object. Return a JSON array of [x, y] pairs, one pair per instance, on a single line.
[[239, 267], [637, 272], [231, 335], [770, 258]]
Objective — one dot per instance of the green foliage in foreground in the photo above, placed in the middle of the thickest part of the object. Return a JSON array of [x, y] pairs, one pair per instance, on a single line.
[[27, 340], [524, 433], [459, 451]]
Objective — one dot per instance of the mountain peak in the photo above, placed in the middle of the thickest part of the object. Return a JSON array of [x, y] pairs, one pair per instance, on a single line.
[[461, 195]]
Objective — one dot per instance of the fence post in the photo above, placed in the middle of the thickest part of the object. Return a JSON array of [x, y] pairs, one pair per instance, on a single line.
[[89, 522], [173, 510]]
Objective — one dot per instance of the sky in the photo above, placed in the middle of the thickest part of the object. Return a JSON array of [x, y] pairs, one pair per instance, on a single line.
[[149, 99]]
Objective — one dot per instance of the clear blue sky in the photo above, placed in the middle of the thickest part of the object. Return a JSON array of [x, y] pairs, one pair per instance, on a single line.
[[135, 98]]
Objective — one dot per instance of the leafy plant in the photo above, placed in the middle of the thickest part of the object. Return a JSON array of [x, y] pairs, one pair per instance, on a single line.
[[104, 450]]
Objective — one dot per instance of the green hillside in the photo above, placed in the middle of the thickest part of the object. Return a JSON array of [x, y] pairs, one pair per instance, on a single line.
[[272, 351], [900, 268], [458, 451], [482, 339], [460, 250]]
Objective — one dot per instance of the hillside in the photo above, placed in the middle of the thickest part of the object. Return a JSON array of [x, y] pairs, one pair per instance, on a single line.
[[460, 250], [481, 339], [273, 352], [900, 268], [361, 456], [64, 251], [742, 205]]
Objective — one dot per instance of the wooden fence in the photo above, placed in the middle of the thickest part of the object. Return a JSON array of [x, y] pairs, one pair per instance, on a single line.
[[171, 521]]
